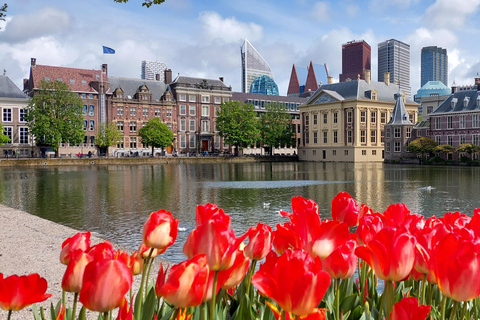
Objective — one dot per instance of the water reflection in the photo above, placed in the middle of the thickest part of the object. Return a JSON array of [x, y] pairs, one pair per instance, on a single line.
[[115, 201]]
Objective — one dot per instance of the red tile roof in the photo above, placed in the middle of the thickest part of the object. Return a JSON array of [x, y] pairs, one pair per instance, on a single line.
[[311, 84], [78, 80], [294, 85]]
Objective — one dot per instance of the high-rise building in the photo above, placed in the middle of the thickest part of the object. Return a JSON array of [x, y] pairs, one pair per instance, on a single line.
[[253, 66], [153, 70], [356, 58], [434, 65], [305, 81], [394, 57]]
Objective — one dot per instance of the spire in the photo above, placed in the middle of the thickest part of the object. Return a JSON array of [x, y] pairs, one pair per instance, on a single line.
[[294, 85], [399, 113], [311, 84]]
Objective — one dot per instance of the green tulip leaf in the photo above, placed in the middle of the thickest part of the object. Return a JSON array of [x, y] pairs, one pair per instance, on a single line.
[[346, 287], [148, 308], [168, 315], [349, 303], [36, 314], [82, 314]]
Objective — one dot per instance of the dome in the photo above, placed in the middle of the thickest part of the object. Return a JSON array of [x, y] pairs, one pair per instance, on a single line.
[[430, 88], [264, 85]]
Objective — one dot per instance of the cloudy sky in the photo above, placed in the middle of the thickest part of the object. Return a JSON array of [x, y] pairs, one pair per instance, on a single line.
[[202, 38]]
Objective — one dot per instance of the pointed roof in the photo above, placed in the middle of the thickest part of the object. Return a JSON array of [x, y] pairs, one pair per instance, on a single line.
[[399, 113], [8, 89], [311, 84], [294, 85]]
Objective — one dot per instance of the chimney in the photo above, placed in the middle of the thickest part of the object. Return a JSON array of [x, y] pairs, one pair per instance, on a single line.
[[477, 82], [329, 80], [25, 84], [368, 76], [33, 62], [386, 78], [168, 76], [104, 68], [221, 79], [157, 76]]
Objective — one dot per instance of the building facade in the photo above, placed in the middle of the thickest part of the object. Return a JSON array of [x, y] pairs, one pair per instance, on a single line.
[[434, 65], [345, 122], [253, 65], [153, 70], [394, 57], [356, 58], [13, 103], [398, 131]]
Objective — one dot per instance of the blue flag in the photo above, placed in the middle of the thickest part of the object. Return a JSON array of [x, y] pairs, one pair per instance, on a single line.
[[108, 50]]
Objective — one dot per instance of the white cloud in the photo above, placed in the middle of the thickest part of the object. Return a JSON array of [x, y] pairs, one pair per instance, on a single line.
[[228, 29], [321, 11], [450, 14]]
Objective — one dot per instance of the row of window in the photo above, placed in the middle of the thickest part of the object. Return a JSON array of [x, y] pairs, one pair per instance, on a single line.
[[461, 139], [22, 134], [363, 136], [396, 146], [205, 125], [397, 132], [90, 110], [145, 112], [463, 122], [345, 152], [261, 104], [8, 112], [192, 142], [192, 110], [204, 99]]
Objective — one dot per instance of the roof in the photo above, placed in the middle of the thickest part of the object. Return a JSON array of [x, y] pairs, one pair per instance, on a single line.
[[358, 90], [241, 96], [399, 114], [432, 88], [130, 86], [8, 89], [78, 80], [200, 83], [460, 101]]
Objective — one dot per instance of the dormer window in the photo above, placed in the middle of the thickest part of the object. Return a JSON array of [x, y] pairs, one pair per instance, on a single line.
[[478, 101], [374, 94], [453, 103], [465, 102]]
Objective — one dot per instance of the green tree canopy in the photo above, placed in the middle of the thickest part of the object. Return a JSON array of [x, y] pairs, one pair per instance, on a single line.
[[3, 137], [54, 115], [275, 126], [422, 145], [108, 135], [156, 134], [467, 148], [237, 123], [146, 3], [443, 148]]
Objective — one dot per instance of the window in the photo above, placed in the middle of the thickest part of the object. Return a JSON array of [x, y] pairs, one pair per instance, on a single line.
[[363, 136], [205, 111], [325, 137], [90, 96], [462, 138], [383, 117], [183, 109], [91, 110], [192, 125], [217, 142], [84, 95], [387, 147], [334, 152], [218, 100], [373, 136], [315, 140], [22, 115], [183, 125], [450, 140], [120, 126], [388, 133], [205, 126], [183, 97], [169, 112], [133, 126], [335, 117], [298, 128], [364, 152], [92, 141], [349, 136], [191, 110], [314, 119], [205, 99], [306, 120], [85, 125], [91, 125], [226, 99], [120, 143], [410, 117], [84, 110], [191, 142], [382, 136], [192, 98], [462, 122], [374, 152], [23, 135], [345, 152], [183, 141], [363, 116], [119, 111], [475, 121], [397, 146], [145, 112], [437, 123], [325, 118], [409, 132], [349, 116], [475, 139], [438, 139], [133, 112], [396, 132], [157, 112], [449, 122], [7, 114], [307, 138], [133, 142], [335, 136], [373, 117]]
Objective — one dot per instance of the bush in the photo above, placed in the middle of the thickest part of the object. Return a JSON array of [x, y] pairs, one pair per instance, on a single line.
[[465, 159]]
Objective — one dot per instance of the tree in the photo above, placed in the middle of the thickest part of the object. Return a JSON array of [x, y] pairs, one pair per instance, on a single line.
[[3, 11], [423, 145], [146, 3], [156, 134], [54, 115], [443, 148], [237, 124], [275, 126], [3, 137], [108, 135], [467, 148]]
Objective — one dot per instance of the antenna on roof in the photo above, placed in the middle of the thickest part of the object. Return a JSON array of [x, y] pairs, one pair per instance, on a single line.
[[4, 72]]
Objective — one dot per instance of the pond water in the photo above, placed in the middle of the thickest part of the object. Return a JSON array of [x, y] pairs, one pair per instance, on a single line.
[[114, 201]]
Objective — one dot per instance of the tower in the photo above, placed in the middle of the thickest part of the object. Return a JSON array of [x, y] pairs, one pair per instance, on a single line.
[[394, 57], [253, 66], [434, 65], [153, 70], [356, 58]]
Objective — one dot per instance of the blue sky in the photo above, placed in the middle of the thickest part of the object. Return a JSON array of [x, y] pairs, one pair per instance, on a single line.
[[202, 38]]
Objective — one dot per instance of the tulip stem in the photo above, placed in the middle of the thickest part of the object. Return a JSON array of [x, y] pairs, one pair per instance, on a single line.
[[464, 310], [453, 313], [9, 314], [75, 300], [337, 298], [148, 273], [248, 280], [388, 303], [138, 306], [424, 289], [442, 308], [105, 315], [214, 296]]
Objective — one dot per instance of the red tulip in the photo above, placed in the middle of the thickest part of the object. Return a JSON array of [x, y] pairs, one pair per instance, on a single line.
[[61, 313], [317, 314], [232, 276], [408, 309], [395, 215], [73, 277], [285, 238], [204, 213], [135, 263], [368, 226], [105, 283], [160, 230], [102, 250], [260, 242], [18, 292], [391, 254], [145, 251], [162, 275], [281, 278], [342, 262], [330, 235], [125, 312], [215, 239], [456, 265], [345, 209], [79, 241], [186, 282]]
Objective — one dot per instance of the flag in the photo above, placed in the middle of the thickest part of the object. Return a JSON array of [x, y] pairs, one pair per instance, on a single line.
[[108, 50]]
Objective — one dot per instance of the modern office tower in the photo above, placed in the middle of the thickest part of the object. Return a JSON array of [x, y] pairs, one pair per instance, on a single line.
[[253, 66], [356, 58], [153, 70], [394, 57], [434, 65]]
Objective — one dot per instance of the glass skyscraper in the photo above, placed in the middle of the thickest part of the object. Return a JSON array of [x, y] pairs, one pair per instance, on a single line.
[[434, 65], [394, 57], [253, 66], [150, 70]]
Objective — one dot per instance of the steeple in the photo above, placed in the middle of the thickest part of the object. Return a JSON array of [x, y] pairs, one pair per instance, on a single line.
[[311, 84], [399, 113], [294, 85]]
